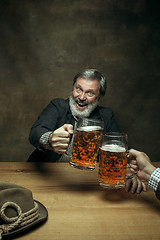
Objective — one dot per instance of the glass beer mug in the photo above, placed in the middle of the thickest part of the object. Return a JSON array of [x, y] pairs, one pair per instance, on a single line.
[[113, 160], [86, 143]]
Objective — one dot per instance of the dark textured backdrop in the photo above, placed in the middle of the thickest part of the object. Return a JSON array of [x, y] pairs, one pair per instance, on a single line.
[[43, 44]]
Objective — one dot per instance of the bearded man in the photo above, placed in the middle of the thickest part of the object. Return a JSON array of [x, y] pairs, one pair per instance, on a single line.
[[52, 133]]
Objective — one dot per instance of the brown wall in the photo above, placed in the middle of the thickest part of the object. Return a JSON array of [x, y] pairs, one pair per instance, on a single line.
[[43, 44]]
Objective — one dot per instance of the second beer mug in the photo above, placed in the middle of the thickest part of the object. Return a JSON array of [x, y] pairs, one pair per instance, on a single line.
[[87, 139], [113, 160]]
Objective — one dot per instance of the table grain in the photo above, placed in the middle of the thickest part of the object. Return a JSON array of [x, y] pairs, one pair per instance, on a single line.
[[79, 208]]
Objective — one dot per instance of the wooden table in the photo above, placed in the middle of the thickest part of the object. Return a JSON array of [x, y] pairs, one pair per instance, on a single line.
[[79, 209]]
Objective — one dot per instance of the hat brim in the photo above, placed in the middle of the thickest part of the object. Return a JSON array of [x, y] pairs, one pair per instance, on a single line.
[[43, 215]]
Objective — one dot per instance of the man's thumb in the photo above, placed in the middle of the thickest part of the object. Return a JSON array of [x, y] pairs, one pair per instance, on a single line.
[[68, 128]]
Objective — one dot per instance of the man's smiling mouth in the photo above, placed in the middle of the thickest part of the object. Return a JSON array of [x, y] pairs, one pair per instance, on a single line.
[[81, 105]]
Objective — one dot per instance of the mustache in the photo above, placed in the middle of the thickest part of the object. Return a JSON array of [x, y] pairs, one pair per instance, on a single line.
[[82, 102]]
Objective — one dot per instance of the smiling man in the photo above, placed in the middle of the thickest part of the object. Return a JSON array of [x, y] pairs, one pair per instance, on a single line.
[[52, 133], [85, 97]]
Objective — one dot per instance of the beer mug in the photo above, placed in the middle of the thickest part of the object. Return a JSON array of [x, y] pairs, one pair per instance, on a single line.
[[113, 160], [86, 143]]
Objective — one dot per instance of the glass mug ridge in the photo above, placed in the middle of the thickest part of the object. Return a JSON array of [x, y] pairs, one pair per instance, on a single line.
[[113, 160], [86, 143]]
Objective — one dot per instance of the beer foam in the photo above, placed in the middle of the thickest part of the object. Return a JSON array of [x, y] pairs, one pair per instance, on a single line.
[[89, 128], [113, 148]]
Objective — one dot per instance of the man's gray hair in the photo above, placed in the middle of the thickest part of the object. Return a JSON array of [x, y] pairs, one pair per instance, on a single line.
[[93, 74]]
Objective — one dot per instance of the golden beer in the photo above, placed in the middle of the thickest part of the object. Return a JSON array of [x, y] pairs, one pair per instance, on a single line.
[[86, 146], [112, 165]]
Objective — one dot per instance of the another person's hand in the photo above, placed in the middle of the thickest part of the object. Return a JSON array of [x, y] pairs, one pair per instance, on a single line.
[[134, 184], [60, 138], [140, 164]]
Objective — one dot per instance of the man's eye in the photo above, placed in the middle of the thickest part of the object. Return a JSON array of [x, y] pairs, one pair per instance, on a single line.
[[90, 94], [78, 89]]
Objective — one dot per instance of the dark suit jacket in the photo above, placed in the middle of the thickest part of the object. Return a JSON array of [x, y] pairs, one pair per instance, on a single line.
[[55, 115]]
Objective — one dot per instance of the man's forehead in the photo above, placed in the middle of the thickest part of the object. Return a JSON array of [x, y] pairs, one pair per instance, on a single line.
[[92, 83]]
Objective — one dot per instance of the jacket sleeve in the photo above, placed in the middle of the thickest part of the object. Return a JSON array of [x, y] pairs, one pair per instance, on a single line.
[[47, 121]]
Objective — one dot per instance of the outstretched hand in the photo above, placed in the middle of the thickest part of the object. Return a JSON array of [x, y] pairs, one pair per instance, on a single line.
[[140, 164], [60, 138]]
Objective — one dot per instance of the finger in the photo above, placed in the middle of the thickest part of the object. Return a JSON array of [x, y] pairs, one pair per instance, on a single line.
[[64, 134], [137, 154], [134, 186], [68, 128], [60, 140], [128, 185], [131, 185], [133, 171], [64, 131], [134, 162], [61, 151], [134, 167], [59, 133], [130, 155], [59, 147], [139, 186], [144, 187], [134, 152]]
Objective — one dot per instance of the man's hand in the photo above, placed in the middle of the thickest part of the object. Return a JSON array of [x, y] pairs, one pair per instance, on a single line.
[[60, 138], [140, 164], [134, 184]]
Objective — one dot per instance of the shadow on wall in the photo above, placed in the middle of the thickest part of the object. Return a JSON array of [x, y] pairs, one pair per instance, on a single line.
[[43, 44]]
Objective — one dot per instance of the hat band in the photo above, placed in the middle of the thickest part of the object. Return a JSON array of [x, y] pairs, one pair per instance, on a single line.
[[22, 219]]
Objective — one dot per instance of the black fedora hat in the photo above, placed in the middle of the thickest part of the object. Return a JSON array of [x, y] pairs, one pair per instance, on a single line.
[[19, 212]]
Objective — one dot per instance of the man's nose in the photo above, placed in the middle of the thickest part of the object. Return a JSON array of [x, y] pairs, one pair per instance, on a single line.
[[82, 96]]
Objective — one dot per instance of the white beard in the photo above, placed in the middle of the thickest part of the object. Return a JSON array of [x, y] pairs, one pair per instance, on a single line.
[[86, 112]]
